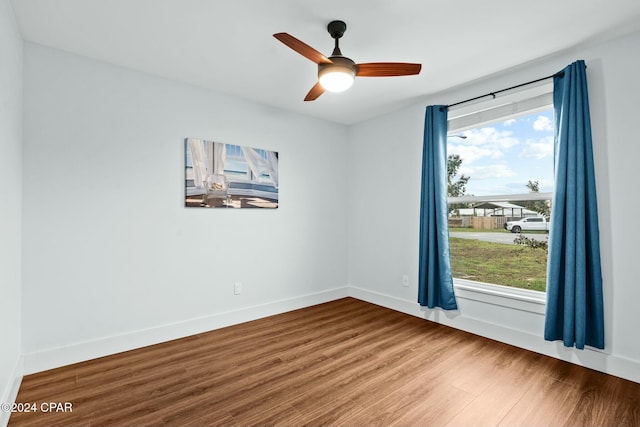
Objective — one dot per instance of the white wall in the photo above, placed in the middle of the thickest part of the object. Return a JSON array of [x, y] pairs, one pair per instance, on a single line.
[[385, 167], [10, 199], [110, 249]]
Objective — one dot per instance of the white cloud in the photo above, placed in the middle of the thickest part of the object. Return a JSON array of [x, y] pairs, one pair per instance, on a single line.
[[491, 136], [488, 172], [470, 154], [538, 149], [501, 157], [543, 123], [483, 143], [493, 188], [546, 185]]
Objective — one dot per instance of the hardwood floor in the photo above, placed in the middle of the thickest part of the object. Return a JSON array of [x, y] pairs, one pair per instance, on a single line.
[[343, 363]]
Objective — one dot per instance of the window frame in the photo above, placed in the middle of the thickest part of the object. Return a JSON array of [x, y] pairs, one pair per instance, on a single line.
[[538, 97]]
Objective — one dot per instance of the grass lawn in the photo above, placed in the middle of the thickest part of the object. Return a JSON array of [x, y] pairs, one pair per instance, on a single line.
[[509, 265], [492, 230]]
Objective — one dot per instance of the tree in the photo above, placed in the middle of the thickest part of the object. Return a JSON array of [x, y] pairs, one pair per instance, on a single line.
[[455, 188], [543, 207]]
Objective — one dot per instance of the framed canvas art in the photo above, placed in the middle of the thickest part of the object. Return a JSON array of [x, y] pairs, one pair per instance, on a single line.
[[219, 175]]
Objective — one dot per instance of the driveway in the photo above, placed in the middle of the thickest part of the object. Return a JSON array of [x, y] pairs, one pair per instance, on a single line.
[[498, 237]]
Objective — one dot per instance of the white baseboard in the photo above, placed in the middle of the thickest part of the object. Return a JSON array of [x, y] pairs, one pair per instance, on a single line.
[[590, 358], [61, 356], [11, 392]]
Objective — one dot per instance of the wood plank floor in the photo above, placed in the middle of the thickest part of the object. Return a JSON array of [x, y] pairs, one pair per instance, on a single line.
[[343, 363]]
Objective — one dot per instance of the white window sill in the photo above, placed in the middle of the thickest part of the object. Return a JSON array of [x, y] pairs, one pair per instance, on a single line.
[[516, 298]]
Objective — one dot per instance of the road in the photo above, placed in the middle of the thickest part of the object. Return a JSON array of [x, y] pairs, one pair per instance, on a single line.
[[499, 237]]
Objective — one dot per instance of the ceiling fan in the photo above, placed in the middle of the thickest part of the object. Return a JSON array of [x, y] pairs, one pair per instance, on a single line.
[[337, 72]]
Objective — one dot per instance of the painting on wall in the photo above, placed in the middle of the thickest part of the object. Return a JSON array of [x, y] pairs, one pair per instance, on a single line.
[[219, 175]]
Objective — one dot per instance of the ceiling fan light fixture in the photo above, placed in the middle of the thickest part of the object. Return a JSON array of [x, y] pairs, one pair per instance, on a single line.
[[337, 72], [336, 78]]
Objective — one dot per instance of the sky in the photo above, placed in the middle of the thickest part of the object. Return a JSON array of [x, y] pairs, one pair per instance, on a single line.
[[502, 157]]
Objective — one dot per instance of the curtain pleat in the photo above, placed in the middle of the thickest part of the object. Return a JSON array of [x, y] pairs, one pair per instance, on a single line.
[[435, 280], [574, 312]]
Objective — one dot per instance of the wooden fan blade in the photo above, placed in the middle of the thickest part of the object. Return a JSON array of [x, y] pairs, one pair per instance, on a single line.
[[315, 92], [387, 69], [302, 48]]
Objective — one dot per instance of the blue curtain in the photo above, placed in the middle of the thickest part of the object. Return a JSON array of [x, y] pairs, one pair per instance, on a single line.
[[574, 312], [435, 282]]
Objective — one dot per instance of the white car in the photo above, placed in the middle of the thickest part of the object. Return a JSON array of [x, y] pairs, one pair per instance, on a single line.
[[532, 223]]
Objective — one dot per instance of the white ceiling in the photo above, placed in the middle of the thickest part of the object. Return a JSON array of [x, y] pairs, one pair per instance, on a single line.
[[228, 45]]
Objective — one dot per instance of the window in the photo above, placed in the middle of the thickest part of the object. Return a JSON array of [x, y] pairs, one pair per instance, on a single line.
[[500, 164], [235, 166]]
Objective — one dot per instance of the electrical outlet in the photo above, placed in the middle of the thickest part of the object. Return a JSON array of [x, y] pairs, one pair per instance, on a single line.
[[405, 281], [237, 288]]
